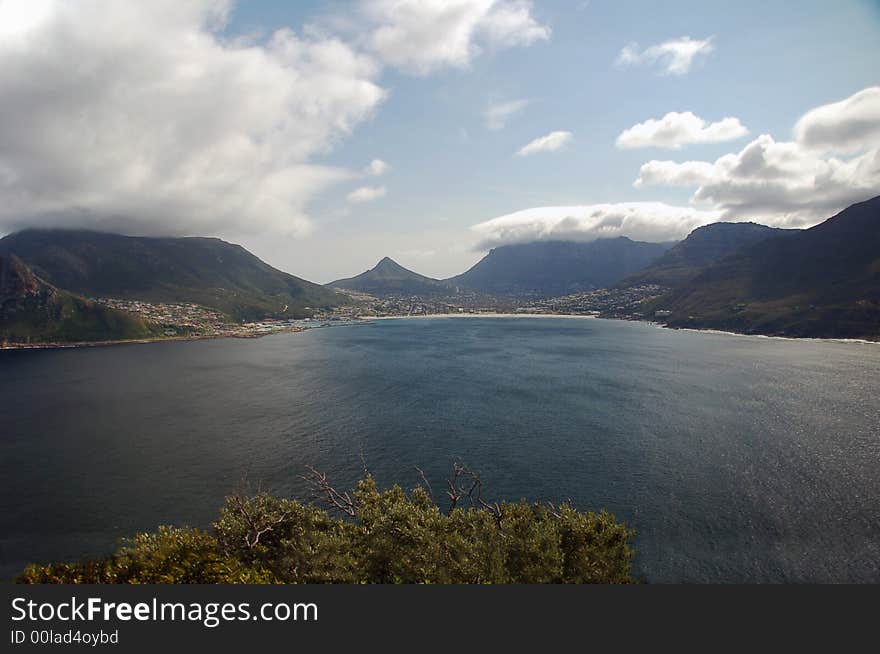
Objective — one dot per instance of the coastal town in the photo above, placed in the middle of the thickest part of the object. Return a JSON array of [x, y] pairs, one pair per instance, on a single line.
[[624, 303], [189, 320]]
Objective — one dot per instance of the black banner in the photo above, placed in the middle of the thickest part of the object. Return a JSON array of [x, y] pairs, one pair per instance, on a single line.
[[232, 618]]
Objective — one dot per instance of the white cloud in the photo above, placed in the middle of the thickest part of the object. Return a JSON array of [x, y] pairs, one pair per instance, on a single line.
[[670, 173], [421, 36], [377, 168], [641, 221], [675, 56], [143, 117], [677, 129], [140, 117], [497, 114], [549, 143], [366, 194], [790, 183], [848, 125]]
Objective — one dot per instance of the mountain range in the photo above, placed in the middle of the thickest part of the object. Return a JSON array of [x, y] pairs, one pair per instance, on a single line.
[[819, 282], [702, 247], [548, 268], [205, 271], [390, 278], [745, 277], [540, 269]]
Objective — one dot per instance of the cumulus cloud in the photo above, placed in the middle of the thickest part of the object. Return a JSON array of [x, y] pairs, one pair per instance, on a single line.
[[141, 117], [144, 117], [641, 221], [498, 113], [676, 129], [377, 168], [670, 173], [675, 56], [788, 183], [549, 143], [421, 36], [848, 125], [366, 194]]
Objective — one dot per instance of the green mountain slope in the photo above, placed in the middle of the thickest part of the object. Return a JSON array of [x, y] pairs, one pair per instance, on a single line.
[[390, 278], [552, 268], [822, 282], [205, 271], [32, 311]]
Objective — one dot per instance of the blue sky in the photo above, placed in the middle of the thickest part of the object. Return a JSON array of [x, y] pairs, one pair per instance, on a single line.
[[768, 64], [772, 62]]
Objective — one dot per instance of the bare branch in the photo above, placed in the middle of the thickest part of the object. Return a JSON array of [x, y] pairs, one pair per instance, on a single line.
[[256, 522], [473, 490], [427, 484], [321, 485]]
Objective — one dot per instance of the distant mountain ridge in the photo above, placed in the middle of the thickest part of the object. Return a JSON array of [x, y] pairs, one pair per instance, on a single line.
[[205, 271], [744, 277], [821, 282], [552, 268], [702, 247], [390, 278], [32, 311]]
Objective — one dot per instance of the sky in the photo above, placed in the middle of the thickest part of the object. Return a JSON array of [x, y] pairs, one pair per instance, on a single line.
[[324, 136]]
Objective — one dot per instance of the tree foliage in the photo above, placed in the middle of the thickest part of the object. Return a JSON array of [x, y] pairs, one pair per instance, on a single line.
[[385, 536]]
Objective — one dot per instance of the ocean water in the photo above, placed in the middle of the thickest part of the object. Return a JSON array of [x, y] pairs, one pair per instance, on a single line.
[[736, 459]]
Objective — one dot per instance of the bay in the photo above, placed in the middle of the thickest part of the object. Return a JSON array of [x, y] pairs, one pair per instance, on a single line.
[[735, 459]]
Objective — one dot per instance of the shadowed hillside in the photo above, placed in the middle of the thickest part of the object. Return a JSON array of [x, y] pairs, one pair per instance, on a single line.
[[703, 246], [205, 271], [823, 282], [548, 268], [33, 311]]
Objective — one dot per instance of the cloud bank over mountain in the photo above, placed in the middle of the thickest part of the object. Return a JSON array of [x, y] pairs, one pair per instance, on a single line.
[[640, 221], [163, 126], [146, 118]]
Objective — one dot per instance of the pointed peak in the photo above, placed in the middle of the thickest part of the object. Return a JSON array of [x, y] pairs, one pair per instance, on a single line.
[[387, 263]]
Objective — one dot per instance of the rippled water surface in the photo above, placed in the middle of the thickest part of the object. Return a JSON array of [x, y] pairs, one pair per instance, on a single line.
[[734, 458]]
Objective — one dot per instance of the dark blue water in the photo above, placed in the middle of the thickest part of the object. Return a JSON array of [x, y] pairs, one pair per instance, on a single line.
[[735, 458]]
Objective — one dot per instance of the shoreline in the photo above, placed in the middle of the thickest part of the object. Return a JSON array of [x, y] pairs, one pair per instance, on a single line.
[[368, 319], [486, 315], [818, 339], [659, 325], [143, 341]]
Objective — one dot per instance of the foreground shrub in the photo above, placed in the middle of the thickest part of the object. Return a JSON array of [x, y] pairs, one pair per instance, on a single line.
[[169, 556], [384, 537]]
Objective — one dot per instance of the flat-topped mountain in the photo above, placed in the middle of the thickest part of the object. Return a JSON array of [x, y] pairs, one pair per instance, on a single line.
[[549, 268], [823, 281], [390, 278], [702, 247], [205, 271], [32, 311]]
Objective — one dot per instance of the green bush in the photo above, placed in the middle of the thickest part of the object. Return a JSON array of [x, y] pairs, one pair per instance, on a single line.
[[387, 537]]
